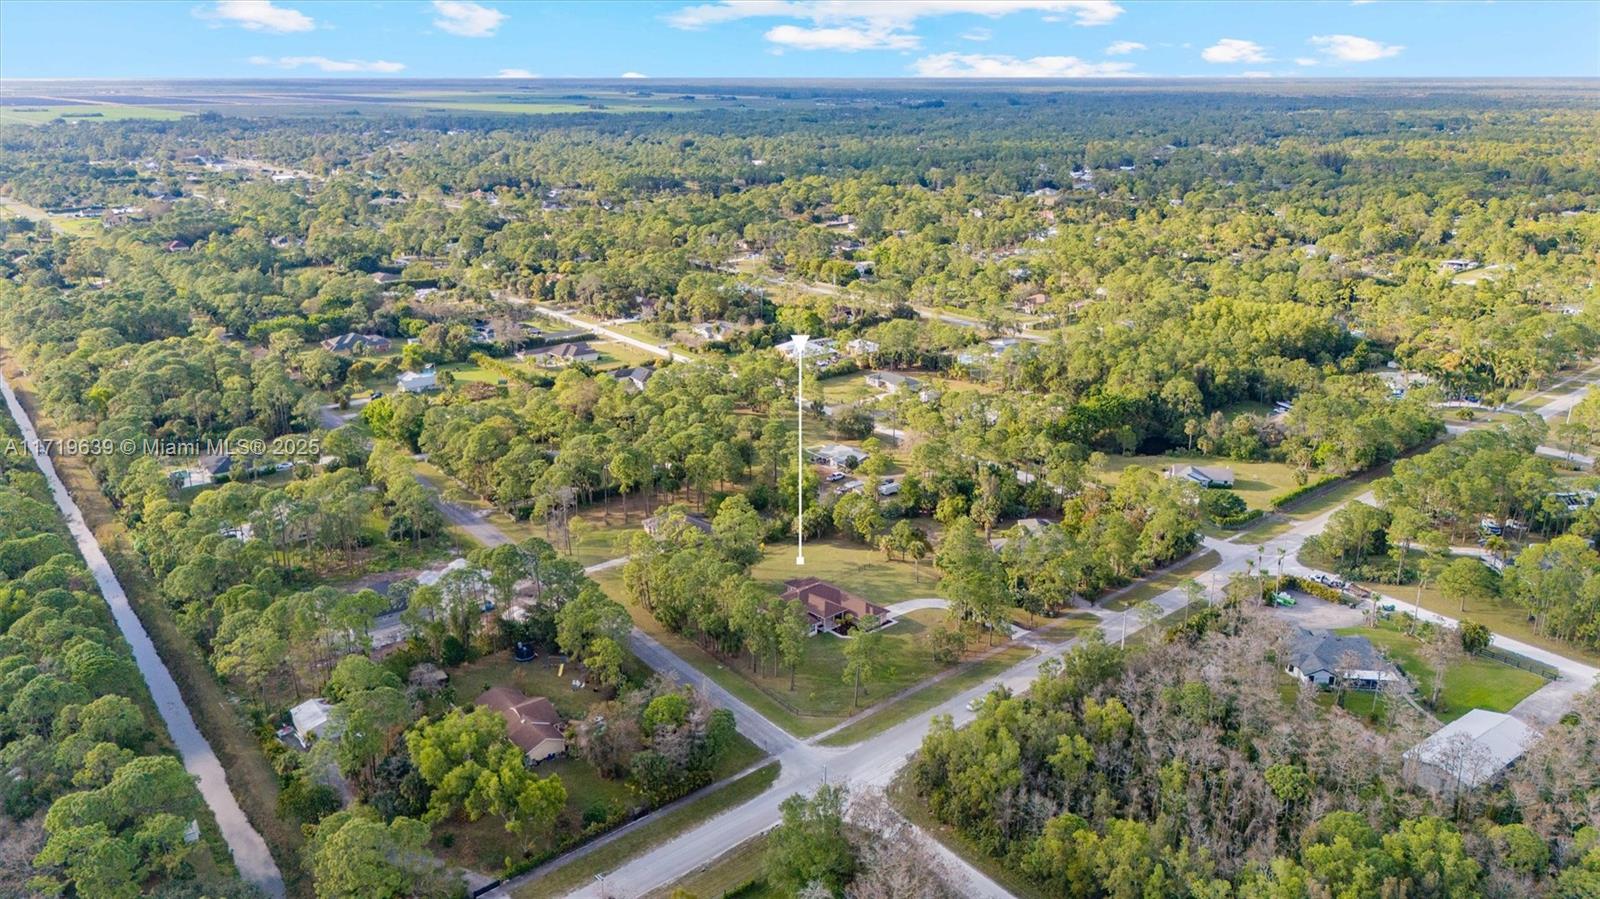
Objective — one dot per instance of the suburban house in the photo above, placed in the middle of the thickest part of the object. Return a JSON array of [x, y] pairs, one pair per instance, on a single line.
[[634, 378], [819, 351], [1023, 529], [1468, 752], [531, 723], [656, 525], [566, 354], [861, 347], [309, 719], [892, 382], [837, 455], [1325, 659], [384, 277], [418, 381], [351, 342], [831, 608], [205, 471], [1458, 265], [1204, 475], [177, 246], [989, 348], [717, 330]]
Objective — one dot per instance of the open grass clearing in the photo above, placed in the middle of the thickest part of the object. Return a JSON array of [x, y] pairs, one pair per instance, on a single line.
[[85, 112], [1154, 585], [1473, 682], [857, 568], [1254, 482], [929, 697], [821, 697]]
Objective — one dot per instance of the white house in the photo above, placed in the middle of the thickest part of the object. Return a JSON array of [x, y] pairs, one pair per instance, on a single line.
[[1204, 475], [1468, 752], [310, 719], [1458, 265], [861, 347], [891, 382], [818, 350], [716, 330], [837, 455], [418, 381]]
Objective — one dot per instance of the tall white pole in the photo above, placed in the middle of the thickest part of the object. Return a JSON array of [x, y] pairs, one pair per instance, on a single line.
[[800, 447]]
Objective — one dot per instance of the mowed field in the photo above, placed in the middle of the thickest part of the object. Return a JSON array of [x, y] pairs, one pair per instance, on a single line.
[[84, 112]]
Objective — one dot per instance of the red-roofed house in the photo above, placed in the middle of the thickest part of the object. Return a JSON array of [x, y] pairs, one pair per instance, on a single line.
[[831, 608], [533, 724]]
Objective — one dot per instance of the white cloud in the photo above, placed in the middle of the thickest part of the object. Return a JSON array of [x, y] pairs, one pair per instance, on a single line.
[[978, 65], [258, 15], [328, 65], [1122, 48], [851, 25], [515, 73], [1349, 48], [634, 75], [1255, 73], [1304, 61], [899, 12], [1231, 49], [843, 39], [977, 34], [465, 19]]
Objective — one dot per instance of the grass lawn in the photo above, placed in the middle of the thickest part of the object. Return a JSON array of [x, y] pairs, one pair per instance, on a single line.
[[84, 112], [1502, 616], [1059, 629], [821, 698], [485, 845], [928, 697], [861, 570], [736, 875], [1150, 587], [614, 853], [1472, 683], [1255, 482]]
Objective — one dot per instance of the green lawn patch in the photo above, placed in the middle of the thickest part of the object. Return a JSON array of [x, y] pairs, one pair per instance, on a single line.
[[855, 567], [650, 833], [1255, 482], [1475, 682], [919, 702], [1150, 587], [84, 112], [820, 698]]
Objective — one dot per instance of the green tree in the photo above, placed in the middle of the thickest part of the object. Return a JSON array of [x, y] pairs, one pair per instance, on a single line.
[[809, 846]]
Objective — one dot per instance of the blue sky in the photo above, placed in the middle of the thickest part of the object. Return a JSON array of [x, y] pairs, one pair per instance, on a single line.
[[796, 38]]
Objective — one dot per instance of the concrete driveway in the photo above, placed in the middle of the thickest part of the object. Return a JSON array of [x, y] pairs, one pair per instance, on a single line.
[[1312, 613]]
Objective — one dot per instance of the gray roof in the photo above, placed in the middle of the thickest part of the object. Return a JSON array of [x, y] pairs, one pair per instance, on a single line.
[[1321, 650]]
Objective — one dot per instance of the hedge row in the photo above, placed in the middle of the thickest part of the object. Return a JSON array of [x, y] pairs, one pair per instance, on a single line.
[[1314, 588], [1238, 521], [1289, 496]]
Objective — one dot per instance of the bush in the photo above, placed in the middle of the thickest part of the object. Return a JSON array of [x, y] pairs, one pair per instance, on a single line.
[[1289, 496]]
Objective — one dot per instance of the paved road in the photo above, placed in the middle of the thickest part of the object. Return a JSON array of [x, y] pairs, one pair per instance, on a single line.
[[608, 333], [249, 850]]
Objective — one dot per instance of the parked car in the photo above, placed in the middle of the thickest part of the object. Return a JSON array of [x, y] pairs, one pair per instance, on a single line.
[[834, 476], [1280, 598]]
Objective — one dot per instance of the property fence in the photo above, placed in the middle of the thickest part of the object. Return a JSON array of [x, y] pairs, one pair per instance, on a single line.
[[1548, 672]]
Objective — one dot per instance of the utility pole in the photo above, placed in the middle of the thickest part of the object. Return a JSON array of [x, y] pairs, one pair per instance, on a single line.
[[800, 447]]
